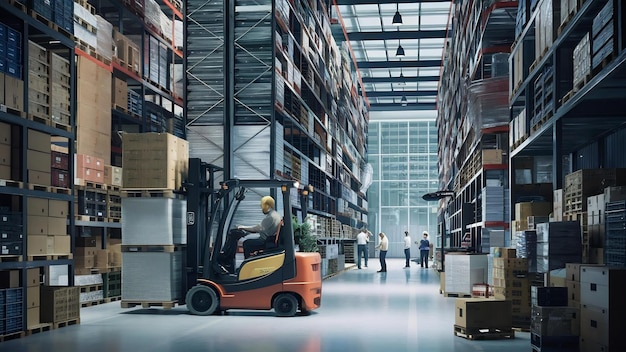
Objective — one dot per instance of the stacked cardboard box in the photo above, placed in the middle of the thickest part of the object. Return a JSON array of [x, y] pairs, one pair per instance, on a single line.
[[511, 282], [60, 167], [154, 161], [602, 308], [5, 151], [59, 304], [47, 227], [33, 301], [463, 271], [558, 243], [481, 313], [60, 80], [88, 168], [127, 52], [38, 77], [38, 158], [93, 109]]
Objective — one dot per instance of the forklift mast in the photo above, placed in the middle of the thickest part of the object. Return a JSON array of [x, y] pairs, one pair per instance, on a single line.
[[201, 206]]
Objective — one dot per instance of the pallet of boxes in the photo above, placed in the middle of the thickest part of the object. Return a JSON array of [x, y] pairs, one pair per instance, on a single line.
[[154, 230]]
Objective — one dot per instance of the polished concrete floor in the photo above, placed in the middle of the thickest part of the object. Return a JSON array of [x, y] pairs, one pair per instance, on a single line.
[[362, 310]]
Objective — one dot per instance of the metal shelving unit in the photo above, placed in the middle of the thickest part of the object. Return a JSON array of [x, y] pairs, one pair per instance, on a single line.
[[264, 97], [19, 188]]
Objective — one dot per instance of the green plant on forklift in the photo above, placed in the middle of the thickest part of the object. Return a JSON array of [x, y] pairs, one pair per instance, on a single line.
[[302, 236]]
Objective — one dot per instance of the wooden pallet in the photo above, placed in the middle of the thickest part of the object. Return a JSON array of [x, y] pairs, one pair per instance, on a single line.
[[18, 4], [605, 62], [148, 304], [11, 183], [152, 248], [32, 258], [38, 328], [457, 294], [113, 299], [11, 258], [60, 126], [38, 118], [90, 218], [15, 335], [149, 193], [484, 334], [90, 288], [113, 220], [62, 324], [92, 303]]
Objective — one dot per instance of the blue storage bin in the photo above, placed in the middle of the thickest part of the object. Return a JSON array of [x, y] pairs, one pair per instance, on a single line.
[[14, 69], [14, 37], [3, 65], [14, 295], [3, 33], [13, 54]]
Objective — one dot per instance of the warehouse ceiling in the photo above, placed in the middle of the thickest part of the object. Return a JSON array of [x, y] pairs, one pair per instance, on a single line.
[[393, 82]]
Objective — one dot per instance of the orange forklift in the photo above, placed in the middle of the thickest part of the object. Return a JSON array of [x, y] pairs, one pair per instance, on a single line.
[[275, 277]]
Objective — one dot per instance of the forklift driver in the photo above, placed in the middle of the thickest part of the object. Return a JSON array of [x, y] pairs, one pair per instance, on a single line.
[[266, 229]]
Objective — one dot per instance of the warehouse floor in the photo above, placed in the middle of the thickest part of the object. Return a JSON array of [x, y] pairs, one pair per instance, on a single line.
[[361, 310]]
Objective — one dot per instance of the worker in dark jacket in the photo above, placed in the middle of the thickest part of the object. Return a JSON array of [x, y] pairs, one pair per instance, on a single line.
[[424, 247]]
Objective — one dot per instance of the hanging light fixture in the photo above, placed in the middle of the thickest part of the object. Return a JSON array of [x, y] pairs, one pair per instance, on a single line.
[[404, 101], [400, 50], [402, 82], [397, 18]]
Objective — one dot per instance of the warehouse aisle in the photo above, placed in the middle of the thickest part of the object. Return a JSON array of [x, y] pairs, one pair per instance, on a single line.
[[362, 310]]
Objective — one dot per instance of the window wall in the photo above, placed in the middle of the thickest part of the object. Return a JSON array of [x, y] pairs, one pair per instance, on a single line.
[[404, 158]]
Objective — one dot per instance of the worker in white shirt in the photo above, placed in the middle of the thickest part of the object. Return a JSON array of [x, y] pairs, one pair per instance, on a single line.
[[383, 246], [361, 241], [407, 248]]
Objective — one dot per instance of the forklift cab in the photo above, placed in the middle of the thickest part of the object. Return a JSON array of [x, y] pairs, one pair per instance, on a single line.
[[274, 277]]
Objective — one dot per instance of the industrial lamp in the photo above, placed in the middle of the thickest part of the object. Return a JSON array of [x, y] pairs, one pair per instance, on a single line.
[[404, 101], [397, 18], [400, 50]]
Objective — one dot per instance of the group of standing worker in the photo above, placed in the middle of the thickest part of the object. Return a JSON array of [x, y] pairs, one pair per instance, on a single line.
[[363, 238]]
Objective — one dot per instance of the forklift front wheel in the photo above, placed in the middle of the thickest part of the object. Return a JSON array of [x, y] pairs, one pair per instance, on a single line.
[[285, 305], [202, 300]]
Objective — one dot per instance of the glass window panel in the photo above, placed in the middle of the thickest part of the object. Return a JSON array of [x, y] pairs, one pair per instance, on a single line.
[[394, 194], [393, 220]]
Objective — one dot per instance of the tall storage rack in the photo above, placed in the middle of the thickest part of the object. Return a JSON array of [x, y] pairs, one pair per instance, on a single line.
[[473, 125], [271, 95], [37, 108], [567, 97]]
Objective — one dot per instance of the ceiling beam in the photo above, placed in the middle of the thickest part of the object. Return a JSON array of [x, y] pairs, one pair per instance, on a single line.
[[387, 35], [400, 79], [398, 64], [399, 93], [375, 2], [399, 107]]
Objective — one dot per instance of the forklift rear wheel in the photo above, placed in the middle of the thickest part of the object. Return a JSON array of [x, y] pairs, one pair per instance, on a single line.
[[202, 300], [285, 305]]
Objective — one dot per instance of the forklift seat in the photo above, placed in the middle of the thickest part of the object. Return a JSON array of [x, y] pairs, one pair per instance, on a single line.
[[271, 243]]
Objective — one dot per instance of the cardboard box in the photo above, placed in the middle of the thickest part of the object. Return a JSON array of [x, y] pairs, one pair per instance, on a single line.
[[37, 206], [60, 178], [59, 160], [33, 277], [39, 178], [58, 208], [40, 244], [36, 225], [573, 292], [84, 251], [57, 226], [5, 133], [32, 297], [14, 93], [62, 244], [9, 279], [525, 209], [503, 252], [5, 155], [5, 172], [113, 175], [119, 96], [38, 160], [32, 315], [84, 261], [154, 160], [39, 141], [89, 162], [482, 313], [492, 156], [102, 258]]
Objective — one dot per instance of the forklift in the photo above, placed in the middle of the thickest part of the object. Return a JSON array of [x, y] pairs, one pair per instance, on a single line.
[[276, 277]]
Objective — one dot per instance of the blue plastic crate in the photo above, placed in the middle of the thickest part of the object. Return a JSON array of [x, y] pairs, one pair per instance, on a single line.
[[2, 330], [14, 69], [13, 309], [13, 53], [14, 37], [14, 295], [3, 33], [14, 324]]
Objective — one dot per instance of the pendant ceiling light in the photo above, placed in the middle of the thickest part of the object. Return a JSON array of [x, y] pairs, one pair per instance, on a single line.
[[397, 18], [400, 50], [404, 101]]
